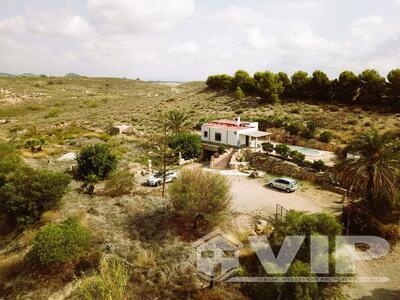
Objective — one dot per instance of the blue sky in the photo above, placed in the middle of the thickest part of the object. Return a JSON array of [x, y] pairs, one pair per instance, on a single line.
[[190, 39]]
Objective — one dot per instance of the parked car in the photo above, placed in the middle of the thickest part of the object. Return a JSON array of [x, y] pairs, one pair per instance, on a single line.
[[286, 184], [157, 179]]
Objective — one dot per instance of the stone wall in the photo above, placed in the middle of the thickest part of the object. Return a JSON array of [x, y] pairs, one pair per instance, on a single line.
[[280, 167]]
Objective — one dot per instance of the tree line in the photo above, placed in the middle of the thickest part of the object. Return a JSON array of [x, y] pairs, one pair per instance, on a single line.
[[366, 88]]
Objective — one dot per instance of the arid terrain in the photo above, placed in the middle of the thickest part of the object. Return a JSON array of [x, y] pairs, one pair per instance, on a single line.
[[70, 112]]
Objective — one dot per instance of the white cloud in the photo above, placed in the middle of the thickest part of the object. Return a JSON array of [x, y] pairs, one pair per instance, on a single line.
[[304, 4], [367, 28], [13, 24], [146, 39], [140, 15], [256, 38], [189, 47]]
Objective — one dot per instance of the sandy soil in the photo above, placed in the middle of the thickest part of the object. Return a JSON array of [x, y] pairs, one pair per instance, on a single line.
[[253, 196]]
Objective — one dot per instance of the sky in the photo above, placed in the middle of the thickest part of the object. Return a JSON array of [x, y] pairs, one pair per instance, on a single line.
[[182, 40]]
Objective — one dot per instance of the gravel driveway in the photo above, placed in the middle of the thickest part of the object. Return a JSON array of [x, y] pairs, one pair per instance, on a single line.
[[252, 196]]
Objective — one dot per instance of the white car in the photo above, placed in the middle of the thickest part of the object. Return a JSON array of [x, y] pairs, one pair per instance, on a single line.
[[158, 178], [286, 184]]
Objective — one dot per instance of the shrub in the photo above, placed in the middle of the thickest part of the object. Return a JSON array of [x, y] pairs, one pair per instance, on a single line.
[[297, 157], [268, 147], [221, 149], [311, 129], [9, 162], [318, 165], [120, 183], [326, 136], [95, 160], [198, 194], [52, 113], [27, 193], [108, 283], [60, 243], [282, 150], [300, 290], [34, 145], [239, 95], [188, 144], [295, 127]]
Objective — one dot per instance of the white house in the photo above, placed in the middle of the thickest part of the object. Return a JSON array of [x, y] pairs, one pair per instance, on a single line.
[[233, 133]]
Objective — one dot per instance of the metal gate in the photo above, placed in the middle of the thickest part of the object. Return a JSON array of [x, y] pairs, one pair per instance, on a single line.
[[280, 212]]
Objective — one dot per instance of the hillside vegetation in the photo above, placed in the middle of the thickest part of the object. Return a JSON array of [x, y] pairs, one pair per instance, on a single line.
[[89, 106]]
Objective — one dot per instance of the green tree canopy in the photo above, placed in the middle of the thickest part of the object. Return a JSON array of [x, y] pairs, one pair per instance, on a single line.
[[268, 85], [177, 121], [372, 86], [320, 85], [27, 193], [301, 83], [346, 87], [394, 86], [95, 161], [375, 175]]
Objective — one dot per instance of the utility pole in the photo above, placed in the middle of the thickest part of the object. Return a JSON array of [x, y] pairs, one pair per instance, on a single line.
[[164, 159]]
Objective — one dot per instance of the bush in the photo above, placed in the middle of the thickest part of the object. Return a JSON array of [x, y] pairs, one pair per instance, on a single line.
[[295, 223], [60, 243], [326, 136], [197, 194], [310, 129], [282, 150], [300, 290], [9, 162], [188, 144], [120, 183], [27, 193], [95, 160], [239, 95], [297, 157], [34, 145], [295, 127], [108, 283], [318, 165], [221, 149], [268, 147]]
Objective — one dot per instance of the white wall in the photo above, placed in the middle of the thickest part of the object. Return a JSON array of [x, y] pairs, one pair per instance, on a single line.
[[228, 136]]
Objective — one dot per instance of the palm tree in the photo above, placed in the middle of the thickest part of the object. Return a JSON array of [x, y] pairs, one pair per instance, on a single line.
[[374, 172], [177, 121]]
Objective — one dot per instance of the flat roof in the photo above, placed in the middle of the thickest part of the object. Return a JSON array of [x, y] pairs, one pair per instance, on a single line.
[[256, 134]]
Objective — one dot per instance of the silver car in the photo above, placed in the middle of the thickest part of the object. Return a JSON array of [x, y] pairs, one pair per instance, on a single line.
[[286, 184], [157, 179]]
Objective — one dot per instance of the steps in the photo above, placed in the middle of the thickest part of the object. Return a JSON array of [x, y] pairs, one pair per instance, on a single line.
[[222, 162]]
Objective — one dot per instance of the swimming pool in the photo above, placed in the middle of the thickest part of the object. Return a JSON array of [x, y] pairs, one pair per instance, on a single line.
[[306, 151]]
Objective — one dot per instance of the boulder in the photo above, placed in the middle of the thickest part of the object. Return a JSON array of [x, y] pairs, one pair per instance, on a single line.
[[119, 129]]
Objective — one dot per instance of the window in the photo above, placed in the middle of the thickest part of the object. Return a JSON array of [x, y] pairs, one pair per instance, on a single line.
[[205, 133], [217, 137]]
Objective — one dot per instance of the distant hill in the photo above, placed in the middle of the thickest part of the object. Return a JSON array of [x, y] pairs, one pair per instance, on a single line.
[[6, 75], [73, 75], [28, 75]]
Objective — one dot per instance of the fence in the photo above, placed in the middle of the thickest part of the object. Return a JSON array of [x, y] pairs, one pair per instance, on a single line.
[[280, 212]]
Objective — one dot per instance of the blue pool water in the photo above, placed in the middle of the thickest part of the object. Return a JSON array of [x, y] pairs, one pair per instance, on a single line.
[[306, 151]]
